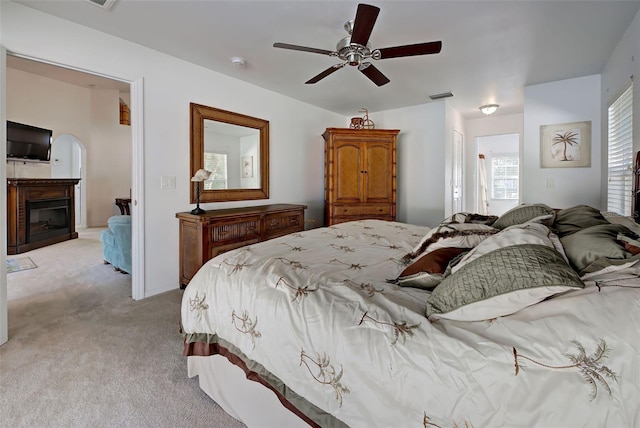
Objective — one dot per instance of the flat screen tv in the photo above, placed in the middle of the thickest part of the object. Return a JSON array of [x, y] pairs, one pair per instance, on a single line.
[[26, 142]]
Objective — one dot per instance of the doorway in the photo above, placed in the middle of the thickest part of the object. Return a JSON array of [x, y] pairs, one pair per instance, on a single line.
[[137, 182], [497, 173]]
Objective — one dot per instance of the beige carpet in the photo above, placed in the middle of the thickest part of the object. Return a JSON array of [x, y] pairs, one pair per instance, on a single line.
[[82, 353]]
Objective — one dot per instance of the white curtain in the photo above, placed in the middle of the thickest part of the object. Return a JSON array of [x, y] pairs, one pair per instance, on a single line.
[[483, 189]]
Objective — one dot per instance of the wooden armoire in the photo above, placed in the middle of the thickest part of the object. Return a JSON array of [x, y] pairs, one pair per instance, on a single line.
[[359, 174]]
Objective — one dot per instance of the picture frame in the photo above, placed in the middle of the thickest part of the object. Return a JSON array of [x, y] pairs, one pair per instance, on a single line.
[[565, 145], [247, 166]]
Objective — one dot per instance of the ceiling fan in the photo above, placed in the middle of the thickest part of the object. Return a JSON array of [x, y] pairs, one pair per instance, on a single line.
[[355, 49]]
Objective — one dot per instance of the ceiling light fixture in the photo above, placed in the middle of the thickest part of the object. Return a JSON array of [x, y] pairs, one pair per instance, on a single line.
[[489, 108], [238, 61]]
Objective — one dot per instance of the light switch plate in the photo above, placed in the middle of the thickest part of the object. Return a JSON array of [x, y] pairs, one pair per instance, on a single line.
[[168, 182]]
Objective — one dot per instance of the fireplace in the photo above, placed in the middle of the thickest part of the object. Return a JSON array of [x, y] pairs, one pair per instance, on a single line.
[[47, 219], [40, 212]]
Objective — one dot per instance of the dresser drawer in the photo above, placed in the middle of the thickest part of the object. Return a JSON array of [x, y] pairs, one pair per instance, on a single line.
[[362, 210], [246, 229], [278, 224]]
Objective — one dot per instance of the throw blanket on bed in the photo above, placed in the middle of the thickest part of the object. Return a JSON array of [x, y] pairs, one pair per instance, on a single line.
[[314, 314]]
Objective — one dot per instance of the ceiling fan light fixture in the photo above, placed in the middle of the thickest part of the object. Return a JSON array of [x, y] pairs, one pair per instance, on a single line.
[[489, 108], [354, 58]]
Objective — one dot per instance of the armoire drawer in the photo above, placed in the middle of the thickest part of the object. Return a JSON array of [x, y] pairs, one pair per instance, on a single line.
[[362, 210]]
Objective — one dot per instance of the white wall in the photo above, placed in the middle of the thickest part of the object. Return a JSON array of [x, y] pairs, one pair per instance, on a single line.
[[4, 323], [571, 100], [170, 84], [623, 63], [108, 159], [420, 153]]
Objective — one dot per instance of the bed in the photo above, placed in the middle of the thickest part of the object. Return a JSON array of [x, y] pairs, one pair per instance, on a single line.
[[528, 319]]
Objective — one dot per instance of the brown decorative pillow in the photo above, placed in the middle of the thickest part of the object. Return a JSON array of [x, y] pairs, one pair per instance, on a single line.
[[427, 271], [433, 262], [631, 248]]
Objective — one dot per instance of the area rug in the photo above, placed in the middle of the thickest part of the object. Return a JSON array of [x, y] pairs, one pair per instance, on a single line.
[[21, 263]]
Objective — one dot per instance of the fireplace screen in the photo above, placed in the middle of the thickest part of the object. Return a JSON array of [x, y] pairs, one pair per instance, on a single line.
[[47, 219]]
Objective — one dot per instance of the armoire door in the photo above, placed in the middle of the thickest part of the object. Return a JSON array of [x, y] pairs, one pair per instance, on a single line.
[[378, 186], [349, 172]]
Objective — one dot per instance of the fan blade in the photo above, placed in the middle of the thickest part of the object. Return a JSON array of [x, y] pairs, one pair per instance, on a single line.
[[373, 74], [363, 24], [303, 48], [324, 74], [411, 50]]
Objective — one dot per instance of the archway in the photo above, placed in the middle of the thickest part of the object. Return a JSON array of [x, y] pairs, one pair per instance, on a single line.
[[68, 157]]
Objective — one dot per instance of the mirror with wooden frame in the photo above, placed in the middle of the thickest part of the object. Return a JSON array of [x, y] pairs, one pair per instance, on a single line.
[[235, 148]]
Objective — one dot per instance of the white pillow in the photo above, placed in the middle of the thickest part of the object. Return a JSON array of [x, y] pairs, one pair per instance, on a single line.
[[501, 305]]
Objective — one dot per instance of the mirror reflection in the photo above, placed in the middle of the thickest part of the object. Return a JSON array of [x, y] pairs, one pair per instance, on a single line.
[[231, 153], [235, 148]]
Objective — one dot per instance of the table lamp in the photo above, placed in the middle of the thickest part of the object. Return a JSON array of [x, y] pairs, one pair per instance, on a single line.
[[200, 176]]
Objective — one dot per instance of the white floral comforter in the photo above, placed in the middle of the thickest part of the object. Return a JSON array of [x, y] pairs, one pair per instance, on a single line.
[[314, 310]]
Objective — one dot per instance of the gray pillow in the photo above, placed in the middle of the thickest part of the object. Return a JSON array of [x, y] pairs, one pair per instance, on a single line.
[[540, 213], [502, 282], [589, 245], [571, 220]]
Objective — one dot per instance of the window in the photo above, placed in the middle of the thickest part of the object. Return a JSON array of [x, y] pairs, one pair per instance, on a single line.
[[217, 164], [620, 149], [504, 176]]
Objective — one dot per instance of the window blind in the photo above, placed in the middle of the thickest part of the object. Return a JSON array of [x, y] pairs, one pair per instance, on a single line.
[[620, 161]]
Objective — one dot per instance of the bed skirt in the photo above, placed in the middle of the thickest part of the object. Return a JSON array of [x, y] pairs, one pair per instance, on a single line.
[[244, 399]]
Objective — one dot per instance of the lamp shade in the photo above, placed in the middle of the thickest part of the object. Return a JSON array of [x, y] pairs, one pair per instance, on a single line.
[[201, 175], [489, 108]]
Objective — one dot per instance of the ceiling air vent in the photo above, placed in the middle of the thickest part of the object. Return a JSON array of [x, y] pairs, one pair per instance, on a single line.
[[442, 95], [104, 4]]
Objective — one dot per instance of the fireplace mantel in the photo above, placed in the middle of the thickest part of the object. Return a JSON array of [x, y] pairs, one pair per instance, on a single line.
[[40, 212]]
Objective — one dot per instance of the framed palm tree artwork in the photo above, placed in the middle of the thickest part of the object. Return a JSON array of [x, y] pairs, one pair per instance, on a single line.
[[565, 145]]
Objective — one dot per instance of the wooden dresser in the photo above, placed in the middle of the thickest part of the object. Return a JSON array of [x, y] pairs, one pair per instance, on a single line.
[[204, 236], [359, 174]]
